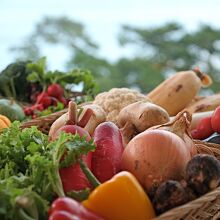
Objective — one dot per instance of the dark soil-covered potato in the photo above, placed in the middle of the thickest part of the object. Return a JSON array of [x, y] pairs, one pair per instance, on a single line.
[[203, 173], [169, 194]]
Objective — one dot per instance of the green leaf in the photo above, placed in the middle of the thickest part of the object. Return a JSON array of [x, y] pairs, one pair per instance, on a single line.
[[76, 147]]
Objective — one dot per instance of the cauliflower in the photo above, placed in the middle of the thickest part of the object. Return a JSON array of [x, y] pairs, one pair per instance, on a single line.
[[116, 99]]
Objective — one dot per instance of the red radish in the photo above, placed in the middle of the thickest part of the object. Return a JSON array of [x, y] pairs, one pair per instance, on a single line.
[[73, 177], [73, 129], [41, 96], [46, 101], [39, 107], [28, 111], [106, 160], [55, 90]]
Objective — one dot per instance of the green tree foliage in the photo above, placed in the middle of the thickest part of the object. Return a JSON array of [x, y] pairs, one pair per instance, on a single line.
[[172, 48], [55, 31], [157, 52]]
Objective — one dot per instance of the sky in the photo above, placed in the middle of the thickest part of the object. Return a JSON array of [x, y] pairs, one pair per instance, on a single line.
[[102, 20]]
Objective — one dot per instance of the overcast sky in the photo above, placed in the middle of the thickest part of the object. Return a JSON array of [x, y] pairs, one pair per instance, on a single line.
[[102, 19]]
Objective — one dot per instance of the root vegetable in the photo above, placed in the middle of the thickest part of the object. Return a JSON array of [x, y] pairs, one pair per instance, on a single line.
[[203, 173], [73, 177], [55, 90], [139, 116], [180, 125], [96, 118], [67, 118], [169, 194], [106, 160], [89, 118], [155, 156]]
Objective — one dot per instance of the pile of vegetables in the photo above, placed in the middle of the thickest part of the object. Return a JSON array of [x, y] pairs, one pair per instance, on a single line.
[[41, 92], [120, 156]]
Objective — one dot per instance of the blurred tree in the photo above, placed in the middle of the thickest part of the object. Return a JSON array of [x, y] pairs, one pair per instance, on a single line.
[[72, 36], [172, 48], [159, 51], [55, 31]]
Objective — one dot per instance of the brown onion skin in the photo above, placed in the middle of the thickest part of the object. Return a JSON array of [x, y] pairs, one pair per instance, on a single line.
[[155, 156]]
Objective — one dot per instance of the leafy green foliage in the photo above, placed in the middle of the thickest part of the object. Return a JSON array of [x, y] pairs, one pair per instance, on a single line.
[[29, 170], [76, 149], [39, 74], [11, 79]]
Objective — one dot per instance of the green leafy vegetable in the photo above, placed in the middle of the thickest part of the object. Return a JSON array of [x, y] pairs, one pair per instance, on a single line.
[[29, 170], [11, 79], [67, 80]]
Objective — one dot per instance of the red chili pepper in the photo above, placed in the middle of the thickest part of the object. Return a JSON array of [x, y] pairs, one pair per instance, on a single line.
[[65, 208]]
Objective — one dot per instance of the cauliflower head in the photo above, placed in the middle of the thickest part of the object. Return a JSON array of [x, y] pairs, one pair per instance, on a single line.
[[116, 99]]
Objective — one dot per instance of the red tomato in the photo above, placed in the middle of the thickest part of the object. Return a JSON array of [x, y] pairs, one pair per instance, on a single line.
[[203, 129], [215, 120]]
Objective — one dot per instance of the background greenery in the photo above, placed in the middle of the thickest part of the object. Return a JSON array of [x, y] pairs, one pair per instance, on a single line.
[[157, 52]]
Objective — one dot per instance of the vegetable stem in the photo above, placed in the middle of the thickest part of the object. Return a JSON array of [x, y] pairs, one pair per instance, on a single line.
[[90, 176], [24, 216]]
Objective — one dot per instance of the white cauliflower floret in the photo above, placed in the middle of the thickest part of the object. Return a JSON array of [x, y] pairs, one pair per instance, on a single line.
[[116, 99]]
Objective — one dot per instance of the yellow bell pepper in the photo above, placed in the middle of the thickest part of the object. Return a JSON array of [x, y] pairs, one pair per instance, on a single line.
[[121, 198]]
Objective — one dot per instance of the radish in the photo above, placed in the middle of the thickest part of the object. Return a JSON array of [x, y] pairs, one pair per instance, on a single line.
[[46, 101], [72, 177], [106, 160], [41, 96], [55, 90]]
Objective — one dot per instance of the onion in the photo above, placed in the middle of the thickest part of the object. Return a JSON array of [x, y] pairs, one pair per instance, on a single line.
[[155, 156], [180, 125]]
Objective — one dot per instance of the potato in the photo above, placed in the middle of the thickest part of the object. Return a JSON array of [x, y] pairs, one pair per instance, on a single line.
[[139, 116]]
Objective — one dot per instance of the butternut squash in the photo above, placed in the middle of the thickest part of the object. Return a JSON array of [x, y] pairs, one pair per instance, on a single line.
[[175, 93]]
